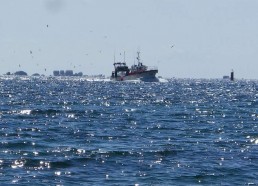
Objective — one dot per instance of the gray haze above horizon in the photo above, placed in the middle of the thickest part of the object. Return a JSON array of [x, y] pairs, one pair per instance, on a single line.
[[183, 38]]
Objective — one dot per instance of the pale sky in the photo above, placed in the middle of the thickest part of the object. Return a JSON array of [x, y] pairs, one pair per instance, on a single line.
[[209, 37]]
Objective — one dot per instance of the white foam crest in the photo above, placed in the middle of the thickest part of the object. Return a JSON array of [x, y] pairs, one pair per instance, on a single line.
[[25, 112], [162, 80], [255, 141]]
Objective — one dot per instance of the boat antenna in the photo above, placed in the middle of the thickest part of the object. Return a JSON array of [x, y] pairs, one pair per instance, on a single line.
[[124, 56], [114, 57]]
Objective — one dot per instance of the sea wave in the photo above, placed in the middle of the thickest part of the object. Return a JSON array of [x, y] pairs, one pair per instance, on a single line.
[[72, 131]]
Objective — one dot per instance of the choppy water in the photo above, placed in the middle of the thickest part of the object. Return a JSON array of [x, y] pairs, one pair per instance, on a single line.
[[77, 132]]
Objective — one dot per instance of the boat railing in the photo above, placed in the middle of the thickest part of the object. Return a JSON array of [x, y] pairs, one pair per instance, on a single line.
[[152, 68], [119, 64]]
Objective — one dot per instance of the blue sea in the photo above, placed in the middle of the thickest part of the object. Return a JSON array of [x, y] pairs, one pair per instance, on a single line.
[[72, 131]]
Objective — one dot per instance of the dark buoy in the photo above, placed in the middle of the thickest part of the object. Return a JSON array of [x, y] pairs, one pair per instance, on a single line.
[[232, 76]]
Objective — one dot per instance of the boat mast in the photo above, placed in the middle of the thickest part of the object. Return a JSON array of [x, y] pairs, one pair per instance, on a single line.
[[138, 57]]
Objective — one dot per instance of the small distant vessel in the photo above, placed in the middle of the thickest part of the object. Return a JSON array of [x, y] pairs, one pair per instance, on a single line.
[[142, 72]]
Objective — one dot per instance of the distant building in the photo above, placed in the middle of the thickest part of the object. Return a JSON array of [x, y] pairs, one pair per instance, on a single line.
[[66, 73], [78, 74], [69, 73], [56, 73], [231, 77]]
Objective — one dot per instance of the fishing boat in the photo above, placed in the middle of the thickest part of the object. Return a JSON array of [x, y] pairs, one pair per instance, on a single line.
[[137, 71]]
